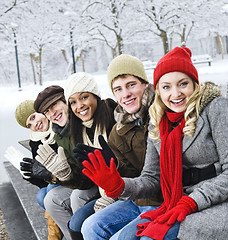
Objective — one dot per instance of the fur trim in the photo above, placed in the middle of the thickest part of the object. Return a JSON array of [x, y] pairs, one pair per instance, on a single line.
[[210, 92]]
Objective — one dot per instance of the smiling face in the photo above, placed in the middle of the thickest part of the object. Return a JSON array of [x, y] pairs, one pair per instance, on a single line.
[[175, 89], [128, 92], [57, 113], [83, 105], [37, 122]]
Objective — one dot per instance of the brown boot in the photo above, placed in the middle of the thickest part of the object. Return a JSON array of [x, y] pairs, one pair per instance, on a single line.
[[54, 233]]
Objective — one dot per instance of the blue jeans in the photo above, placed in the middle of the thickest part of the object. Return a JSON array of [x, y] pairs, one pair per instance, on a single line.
[[112, 222], [42, 193], [129, 231], [80, 216]]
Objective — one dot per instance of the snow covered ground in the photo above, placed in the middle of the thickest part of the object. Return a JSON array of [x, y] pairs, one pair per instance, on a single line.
[[10, 97]]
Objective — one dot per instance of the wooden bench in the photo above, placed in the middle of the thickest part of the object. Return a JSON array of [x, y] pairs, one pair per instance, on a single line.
[[26, 193], [205, 58]]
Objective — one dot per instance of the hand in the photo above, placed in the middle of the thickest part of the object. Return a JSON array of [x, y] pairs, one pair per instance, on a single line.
[[184, 207], [56, 163], [81, 151], [31, 168], [105, 177]]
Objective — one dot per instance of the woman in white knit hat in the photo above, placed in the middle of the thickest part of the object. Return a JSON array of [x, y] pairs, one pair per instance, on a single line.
[[89, 117]]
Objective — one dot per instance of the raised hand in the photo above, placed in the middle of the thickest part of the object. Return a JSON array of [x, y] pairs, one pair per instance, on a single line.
[[56, 163], [31, 168], [104, 176]]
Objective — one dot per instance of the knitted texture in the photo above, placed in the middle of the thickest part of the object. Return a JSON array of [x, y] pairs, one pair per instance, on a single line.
[[23, 111], [47, 97], [171, 173], [54, 162], [158, 228], [177, 60], [125, 64], [103, 202], [80, 82]]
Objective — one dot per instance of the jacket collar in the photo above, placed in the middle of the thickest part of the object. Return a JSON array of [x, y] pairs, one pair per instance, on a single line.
[[123, 129], [187, 140]]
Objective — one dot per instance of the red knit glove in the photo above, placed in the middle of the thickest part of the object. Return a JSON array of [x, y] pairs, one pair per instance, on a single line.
[[105, 177], [184, 207]]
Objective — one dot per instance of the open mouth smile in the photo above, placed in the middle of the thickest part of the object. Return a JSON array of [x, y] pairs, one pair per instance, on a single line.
[[58, 117], [40, 125], [177, 102], [84, 112], [129, 102]]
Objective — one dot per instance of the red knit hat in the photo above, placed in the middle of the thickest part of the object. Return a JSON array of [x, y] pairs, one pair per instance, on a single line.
[[177, 60]]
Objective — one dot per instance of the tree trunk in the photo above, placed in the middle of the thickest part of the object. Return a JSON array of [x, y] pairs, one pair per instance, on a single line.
[[40, 66], [165, 42], [113, 52], [33, 67], [183, 40], [220, 45], [63, 51], [120, 44]]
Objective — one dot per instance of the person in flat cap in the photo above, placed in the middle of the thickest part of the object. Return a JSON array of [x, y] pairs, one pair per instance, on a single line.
[[65, 168], [46, 102], [187, 157], [89, 116], [33, 171]]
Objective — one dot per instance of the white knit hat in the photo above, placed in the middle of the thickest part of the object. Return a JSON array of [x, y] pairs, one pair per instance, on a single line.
[[80, 82]]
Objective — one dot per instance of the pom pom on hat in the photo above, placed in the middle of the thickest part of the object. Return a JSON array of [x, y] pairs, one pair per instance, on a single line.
[[177, 60], [125, 64], [80, 82], [47, 97], [23, 111]]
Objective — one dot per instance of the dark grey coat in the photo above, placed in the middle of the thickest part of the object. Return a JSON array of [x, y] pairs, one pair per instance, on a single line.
[[209, 145]]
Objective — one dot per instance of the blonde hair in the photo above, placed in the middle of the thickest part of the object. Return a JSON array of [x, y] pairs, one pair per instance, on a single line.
[[157, 109]]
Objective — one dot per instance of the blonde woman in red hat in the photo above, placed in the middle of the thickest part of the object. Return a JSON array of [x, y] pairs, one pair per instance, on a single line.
[[187, 156]]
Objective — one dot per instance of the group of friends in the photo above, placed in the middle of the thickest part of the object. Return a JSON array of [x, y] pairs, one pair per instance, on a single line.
[[151, 165]]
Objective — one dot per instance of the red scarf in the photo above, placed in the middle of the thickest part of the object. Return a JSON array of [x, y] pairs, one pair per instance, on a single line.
[[171, 174]]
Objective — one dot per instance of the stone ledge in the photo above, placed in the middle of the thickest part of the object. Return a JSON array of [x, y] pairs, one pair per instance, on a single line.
[[26, 193]]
